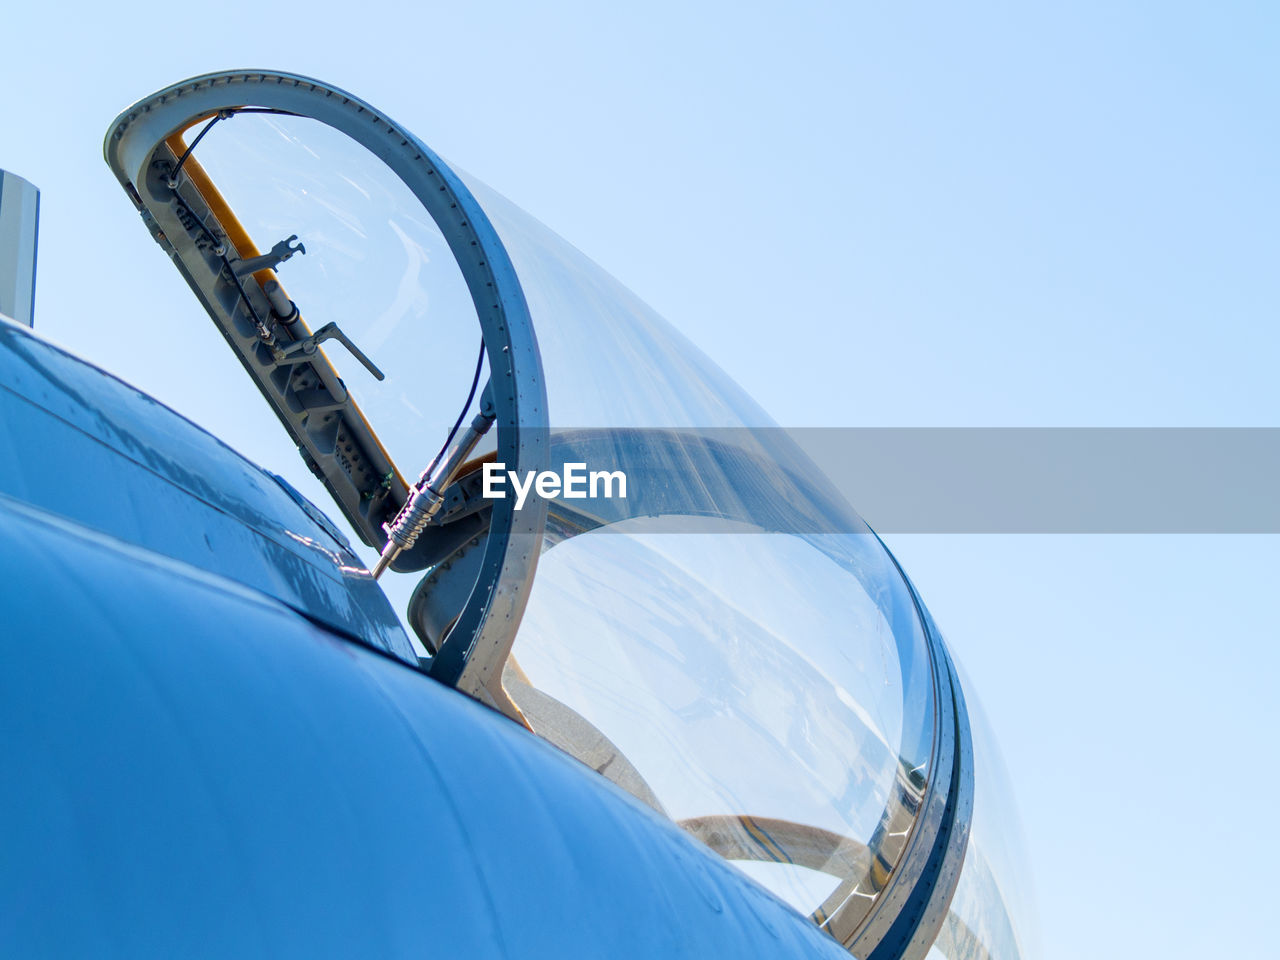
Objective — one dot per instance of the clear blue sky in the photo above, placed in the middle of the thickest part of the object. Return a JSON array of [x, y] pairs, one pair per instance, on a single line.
[[983, 214]]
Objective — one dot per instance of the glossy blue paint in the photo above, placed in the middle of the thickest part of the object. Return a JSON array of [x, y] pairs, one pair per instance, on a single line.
[[191, 768], [82, 444]]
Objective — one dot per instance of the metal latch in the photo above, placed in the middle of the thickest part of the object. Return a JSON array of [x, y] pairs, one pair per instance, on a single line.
[[301, 351], [269, 261]]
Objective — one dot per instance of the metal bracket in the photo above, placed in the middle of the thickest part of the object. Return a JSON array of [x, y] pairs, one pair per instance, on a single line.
[[269, 261], [304, 350]]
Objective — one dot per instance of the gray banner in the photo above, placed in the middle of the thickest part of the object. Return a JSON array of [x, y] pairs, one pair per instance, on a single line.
[[927, 480], [1067, 480]]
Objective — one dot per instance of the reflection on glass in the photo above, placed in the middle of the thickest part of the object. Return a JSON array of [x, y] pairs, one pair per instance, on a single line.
[[992, 914], [770, 692], [609, 359], [754, 682], [376, 264]]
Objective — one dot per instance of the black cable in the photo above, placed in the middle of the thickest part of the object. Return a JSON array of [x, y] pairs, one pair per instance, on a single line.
[[220, 244], [475, 382], [221, 115], [264, 332]]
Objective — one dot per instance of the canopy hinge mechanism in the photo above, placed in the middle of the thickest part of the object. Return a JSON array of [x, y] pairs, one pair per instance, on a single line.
[[304, 350], [281, 252]]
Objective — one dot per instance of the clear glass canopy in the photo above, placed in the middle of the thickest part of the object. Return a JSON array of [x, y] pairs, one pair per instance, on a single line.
[[771, 692], [375, 263], [992, 915]]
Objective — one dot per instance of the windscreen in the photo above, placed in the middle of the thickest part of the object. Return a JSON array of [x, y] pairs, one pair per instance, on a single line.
[[769, 691]]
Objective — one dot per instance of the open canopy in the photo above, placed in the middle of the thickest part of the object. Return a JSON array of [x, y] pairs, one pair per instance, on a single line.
[[728, 643]]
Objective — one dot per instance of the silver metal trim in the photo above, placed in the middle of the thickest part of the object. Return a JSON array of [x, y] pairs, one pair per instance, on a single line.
[[908, 915], [19, 236]]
